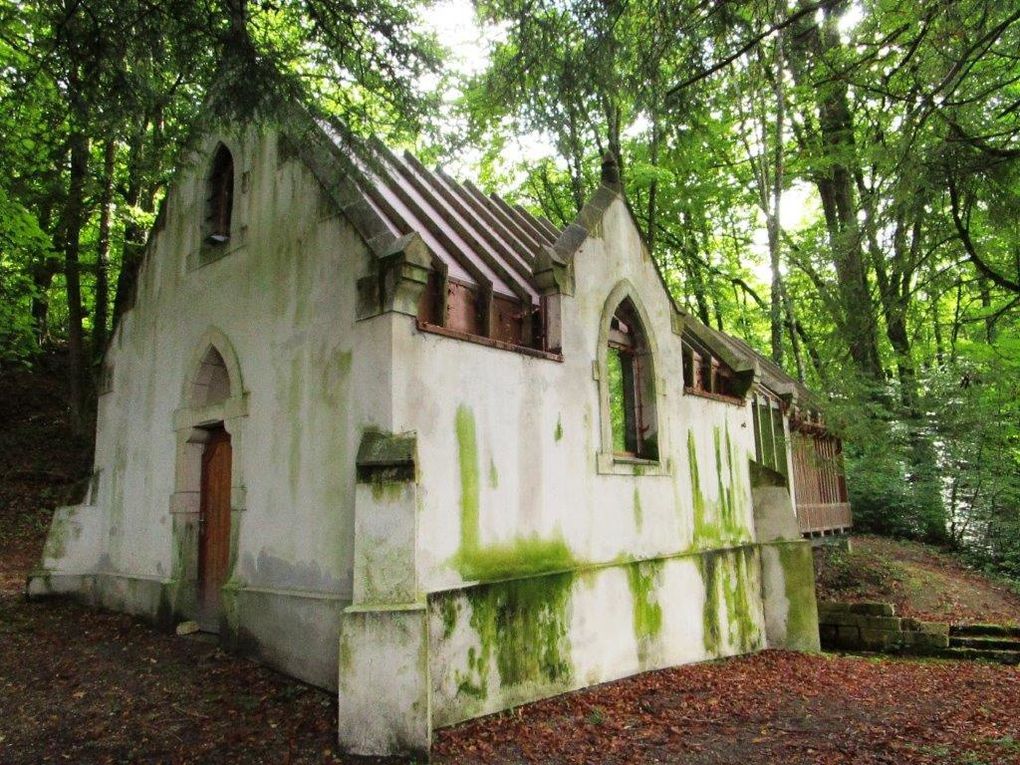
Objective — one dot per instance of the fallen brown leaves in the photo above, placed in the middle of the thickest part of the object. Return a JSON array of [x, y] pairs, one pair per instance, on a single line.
[[774, 707]]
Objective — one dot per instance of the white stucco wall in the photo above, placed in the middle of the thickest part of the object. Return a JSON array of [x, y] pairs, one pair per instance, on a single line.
[[284, 298], [535, 425]]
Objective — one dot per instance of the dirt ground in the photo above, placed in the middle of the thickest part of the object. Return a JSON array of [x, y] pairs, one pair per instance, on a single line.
[[85, 687], [920, 580]]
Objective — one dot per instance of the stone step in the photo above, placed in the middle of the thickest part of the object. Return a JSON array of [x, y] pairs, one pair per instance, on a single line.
[[979, 654], [979, 630], [985, 643]]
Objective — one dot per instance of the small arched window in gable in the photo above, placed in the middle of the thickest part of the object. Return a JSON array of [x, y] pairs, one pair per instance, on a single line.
[[211, 383], [220, 196], [630, 386]]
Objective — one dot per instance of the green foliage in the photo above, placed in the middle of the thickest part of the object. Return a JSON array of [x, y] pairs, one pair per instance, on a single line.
[[22, 242]]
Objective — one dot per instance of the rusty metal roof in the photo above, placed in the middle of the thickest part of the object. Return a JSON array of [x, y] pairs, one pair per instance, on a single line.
[[479, 238]]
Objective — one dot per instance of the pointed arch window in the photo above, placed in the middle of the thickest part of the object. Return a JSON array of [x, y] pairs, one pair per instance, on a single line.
[[630, 386], [220, 196]]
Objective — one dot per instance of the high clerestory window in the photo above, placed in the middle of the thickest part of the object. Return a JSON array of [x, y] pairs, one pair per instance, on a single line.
[[220, 197], [769, 434], [630, 386], [705, 372]]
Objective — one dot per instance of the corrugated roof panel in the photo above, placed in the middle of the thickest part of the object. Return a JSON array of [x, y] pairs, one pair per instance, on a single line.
[[396, 212], [526, 243], [528, 234], [550, 229], [480, 205], [481, 239], [451, 246], [531, 224], [453, 195], [458, 222]]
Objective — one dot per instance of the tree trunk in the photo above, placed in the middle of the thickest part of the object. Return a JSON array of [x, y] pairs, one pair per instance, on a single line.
[[791, 323], [74, 218], [101, 319], [810, 45], [776, 297]]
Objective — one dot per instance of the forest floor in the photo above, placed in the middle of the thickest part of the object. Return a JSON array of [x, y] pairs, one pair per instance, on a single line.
[[920, 580], [82, 686]]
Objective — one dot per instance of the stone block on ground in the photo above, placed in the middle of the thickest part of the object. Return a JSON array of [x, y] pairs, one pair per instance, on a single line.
[[929, 628], [921, 641], [873, 609], [880, 640]]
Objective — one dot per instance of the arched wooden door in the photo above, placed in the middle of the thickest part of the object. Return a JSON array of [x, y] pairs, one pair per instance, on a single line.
[[214, 527]]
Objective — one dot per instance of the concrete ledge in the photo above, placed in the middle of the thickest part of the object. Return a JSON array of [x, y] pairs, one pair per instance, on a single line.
[[294, 632], [150, 598]]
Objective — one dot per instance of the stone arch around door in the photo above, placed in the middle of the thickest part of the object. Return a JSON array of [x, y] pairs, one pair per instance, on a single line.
[[213, 400]]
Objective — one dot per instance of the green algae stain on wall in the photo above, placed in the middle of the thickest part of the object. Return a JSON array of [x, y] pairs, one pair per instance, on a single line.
[[558, 432], [493, 475], [644, 579], [744, 634], [294, 416], [711, 635], [799, 582], [524, 625], [721, 521], [698, 499], [727, 611], [467, 451], [639, 517], [521, 556]]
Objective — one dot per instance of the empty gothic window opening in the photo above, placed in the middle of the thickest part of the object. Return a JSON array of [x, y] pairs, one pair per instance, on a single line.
[[220, 198], [212, 381], [631, 392]]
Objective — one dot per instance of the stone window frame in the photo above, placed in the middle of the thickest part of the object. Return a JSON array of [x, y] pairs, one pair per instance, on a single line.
[[215, 245], [190, 424], [608, 460]]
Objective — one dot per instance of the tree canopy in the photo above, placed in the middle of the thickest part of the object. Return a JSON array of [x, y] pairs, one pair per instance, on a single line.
[[836, 181]]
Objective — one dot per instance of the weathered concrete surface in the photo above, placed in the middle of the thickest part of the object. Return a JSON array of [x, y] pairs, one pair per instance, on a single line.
[[278, 305], [497, 645], [384, 691], [791, 614]]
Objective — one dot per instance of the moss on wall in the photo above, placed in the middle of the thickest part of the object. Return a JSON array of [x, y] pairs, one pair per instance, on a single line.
[[56, 540], [721, 521], [644, 579], [799, 583], [744, 634], [467, 453], [522, 556], [523, 625], [295, 389], [727, 611], [447, 605], [383, 489], [711, 635], [697, 498]]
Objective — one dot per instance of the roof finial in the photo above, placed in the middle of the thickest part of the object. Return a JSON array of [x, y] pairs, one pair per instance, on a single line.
[[610, 171]]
